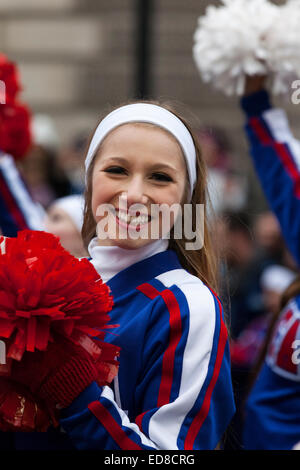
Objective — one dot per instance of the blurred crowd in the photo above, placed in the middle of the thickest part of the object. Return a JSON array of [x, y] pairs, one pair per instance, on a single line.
[[51, 170]]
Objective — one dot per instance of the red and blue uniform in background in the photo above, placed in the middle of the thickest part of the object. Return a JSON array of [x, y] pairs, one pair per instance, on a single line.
[[18, 211], [273, 408]]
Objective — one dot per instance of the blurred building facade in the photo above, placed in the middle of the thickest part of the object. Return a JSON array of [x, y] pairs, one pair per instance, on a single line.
[[78, 57]]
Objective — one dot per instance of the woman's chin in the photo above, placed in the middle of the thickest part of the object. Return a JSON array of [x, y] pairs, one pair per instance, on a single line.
[[130, 244]]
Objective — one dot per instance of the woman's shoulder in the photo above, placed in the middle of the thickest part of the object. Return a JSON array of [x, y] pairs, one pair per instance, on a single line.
[[188, 291], [183, 280]]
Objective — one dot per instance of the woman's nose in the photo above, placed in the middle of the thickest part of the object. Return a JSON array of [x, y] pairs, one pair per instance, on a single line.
[[136, 192]]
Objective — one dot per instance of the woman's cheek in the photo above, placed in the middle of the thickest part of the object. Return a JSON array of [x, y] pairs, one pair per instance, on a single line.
[[100, 203], [98, 194]]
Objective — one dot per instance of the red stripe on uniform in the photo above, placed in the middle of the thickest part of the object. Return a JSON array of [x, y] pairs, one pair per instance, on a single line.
[[260, 131], [112, 427], [148, 290], [281, 150], [12, 206], [164, 394], [203, 412], [139, 420]]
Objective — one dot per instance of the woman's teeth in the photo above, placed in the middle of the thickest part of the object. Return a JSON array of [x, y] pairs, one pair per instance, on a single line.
[[133, 220]]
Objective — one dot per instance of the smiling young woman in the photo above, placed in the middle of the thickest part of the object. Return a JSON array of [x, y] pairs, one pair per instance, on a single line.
[[163, 297], [173, 389]]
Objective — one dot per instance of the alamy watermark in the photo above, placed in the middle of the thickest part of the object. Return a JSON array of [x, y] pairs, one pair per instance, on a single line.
[[296, 353], [2, 352], [295, 98], [2, 92], [157, 221]]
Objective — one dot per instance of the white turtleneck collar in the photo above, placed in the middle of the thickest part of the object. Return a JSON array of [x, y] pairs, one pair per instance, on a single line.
[[110, 260]]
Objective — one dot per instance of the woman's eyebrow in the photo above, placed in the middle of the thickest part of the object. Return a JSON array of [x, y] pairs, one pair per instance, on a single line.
[[157, 166], [117, 159], [163, 166]]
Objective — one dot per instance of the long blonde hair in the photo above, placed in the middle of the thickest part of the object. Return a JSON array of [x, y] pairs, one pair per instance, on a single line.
[[201, 263]]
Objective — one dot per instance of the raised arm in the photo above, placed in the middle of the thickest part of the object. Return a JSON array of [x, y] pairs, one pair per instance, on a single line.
[[276, 157]]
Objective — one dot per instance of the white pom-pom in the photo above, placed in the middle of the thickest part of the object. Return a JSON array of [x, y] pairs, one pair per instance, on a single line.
[[282, 43], [247, 37]]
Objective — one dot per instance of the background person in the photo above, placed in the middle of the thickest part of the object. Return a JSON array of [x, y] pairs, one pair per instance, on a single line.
[[272, 412]]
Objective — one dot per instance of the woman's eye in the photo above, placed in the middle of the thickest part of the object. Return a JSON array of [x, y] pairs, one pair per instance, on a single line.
[[161, 177], [115, 169]]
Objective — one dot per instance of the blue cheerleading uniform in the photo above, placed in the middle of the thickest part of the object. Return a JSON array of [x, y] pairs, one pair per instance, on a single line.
[[173, 389]]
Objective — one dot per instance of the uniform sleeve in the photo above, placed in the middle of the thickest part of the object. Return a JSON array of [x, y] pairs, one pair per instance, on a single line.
[[272, 413], [184, 395], [17, 209], [273, 407], [276, 157]]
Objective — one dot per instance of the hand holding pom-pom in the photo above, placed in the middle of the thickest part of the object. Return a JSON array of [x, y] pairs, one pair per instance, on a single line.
[[254, 83], [53, 315], [59, 374], [245, 37]]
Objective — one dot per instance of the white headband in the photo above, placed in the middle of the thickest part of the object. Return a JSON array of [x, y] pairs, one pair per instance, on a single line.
[[146, 112]]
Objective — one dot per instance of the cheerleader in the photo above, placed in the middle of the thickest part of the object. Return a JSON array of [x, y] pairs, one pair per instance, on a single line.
[[173, 389], [272, 413]]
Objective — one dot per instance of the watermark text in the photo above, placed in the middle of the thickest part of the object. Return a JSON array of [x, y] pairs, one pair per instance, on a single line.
[[296, 353], [159, 221], [2, 353], [295, 98], [2, 92]]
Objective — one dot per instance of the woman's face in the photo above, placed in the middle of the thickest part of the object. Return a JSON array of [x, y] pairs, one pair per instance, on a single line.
[[59, 223], [137, 166]]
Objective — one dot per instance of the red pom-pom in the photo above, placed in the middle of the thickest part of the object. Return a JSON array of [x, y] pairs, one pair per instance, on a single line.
[[43, 290], [15, 133], [9, 76], [47, 295]]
